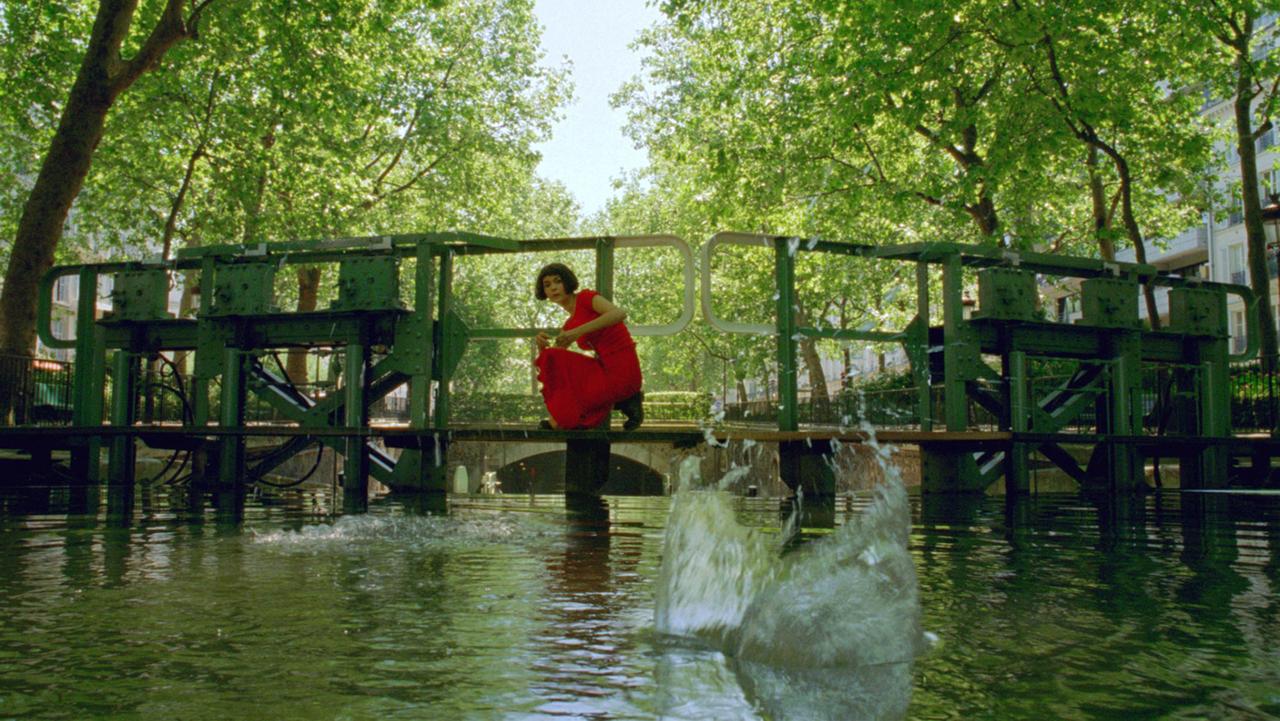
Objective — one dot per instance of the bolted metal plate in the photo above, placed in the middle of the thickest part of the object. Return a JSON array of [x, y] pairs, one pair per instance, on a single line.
[[369, 283], [1108, 303], [1197, 311], [244, 289], [1007, 294], [140, 295]]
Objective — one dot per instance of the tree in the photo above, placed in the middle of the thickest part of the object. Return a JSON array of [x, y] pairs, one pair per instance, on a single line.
[[103, 75], [297, 121], [1151, 136], [1243, 66]]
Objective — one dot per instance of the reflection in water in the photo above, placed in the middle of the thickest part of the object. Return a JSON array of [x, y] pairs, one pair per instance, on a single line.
[[584, 634], [869, 691], [533, 608]]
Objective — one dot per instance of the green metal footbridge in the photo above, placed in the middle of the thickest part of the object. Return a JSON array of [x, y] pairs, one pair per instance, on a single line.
[[989, 360]]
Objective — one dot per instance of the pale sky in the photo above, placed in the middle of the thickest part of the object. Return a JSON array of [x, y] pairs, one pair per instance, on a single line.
[[588, 147]]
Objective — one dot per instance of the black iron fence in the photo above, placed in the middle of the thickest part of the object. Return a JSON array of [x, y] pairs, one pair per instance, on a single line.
[[35, 391], [1254, 391]]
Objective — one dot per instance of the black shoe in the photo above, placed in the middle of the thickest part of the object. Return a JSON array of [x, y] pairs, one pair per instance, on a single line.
[[633, 409], [545, 425]]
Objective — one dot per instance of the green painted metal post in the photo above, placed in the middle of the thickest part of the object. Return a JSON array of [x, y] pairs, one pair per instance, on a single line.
[[124, 391], [604, 267], [1215, 396], [202, 365], [1017, 471], [355, 458], [442, 340], [1125, 466], [89, 380], [200, 411], [421, 334], [955, 404], [231, 416], [1215, 413], [924, 404], [784, 273], [420, 469]]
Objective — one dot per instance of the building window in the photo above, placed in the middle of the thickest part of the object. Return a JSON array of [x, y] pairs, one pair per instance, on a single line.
[[62, 291], [1238, 337], [1266, 140], [1235, 264]]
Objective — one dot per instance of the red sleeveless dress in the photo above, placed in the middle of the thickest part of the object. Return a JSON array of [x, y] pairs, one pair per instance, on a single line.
[[580, 390]]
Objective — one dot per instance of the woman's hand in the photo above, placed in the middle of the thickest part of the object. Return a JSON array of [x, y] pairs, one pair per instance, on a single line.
[[566, 338], [543, 340]]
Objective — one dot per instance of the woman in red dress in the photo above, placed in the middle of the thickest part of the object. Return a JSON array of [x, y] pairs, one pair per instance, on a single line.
[[580, 390]]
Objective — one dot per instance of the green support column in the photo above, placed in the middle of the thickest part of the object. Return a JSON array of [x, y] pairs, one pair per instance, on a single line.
[[442, 340], [1215, 393], [1215, 416], [944, 468], [1124, 417], [604, 267], [89, 380], [924, 403], [355, 458], [415, 337], [955, 405], [201, 366], [200, 412], [124, 391], [784, 273], [231, 416], [420, 335], [1017, 469]]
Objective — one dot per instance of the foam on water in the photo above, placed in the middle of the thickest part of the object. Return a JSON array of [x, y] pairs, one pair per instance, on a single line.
[[848, 600], [357, 531]]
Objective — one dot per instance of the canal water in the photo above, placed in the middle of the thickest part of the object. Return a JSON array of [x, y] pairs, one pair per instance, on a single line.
[[697, 606]]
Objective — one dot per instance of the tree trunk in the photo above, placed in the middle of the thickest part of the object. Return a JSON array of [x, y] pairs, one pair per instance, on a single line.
[[1255, 231], [308, 290], [40, 227], [813, 364], [1101, 214], [1131, 226], [103, 75], [984, 214]]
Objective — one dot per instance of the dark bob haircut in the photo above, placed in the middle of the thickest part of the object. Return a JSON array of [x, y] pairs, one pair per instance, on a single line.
[[557, 269]]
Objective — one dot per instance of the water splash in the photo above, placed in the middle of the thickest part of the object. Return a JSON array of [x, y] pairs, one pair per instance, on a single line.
[[848, 600], [712, 568]]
